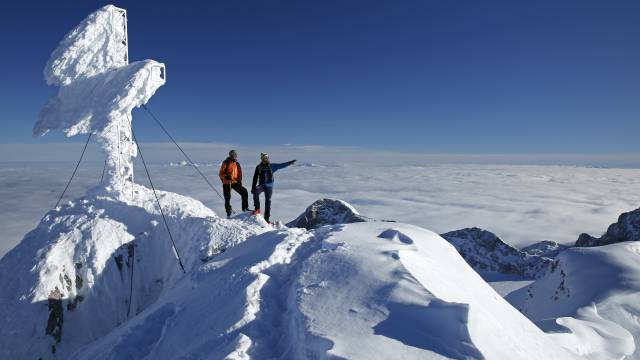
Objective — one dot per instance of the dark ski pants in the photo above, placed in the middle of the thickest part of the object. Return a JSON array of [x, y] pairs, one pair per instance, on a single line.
[[226, 189], [267, 200]]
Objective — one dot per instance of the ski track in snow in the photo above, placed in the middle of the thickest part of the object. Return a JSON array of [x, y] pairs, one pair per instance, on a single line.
[[521, 204]]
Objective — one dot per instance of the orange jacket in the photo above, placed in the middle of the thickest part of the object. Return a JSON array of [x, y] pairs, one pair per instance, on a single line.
[[230, 172]]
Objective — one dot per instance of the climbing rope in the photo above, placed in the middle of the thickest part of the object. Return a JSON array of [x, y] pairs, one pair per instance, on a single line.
[[74, 172], [195, 166], [166, 224]]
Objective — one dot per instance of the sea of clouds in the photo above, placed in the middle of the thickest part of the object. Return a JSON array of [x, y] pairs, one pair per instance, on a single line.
[[521, 203]]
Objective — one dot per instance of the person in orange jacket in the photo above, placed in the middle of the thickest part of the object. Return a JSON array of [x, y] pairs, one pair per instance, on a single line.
[[231, 177]]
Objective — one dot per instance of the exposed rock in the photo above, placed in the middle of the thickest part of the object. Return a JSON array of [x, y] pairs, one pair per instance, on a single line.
[[486, 252], [68, 282], [541, 256], [626, 229], [327, 212], [79, 282], [119, 261], [546, 248], [71, 305], [56, 316]]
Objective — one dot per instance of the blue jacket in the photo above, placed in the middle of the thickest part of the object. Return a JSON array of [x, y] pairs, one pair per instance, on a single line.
[[263, 175]]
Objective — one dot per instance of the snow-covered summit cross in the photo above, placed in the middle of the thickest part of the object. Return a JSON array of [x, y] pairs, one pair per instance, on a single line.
[[99, 89]]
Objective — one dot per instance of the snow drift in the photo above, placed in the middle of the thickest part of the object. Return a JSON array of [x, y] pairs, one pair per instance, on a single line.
[[589, 301], [357, 291]]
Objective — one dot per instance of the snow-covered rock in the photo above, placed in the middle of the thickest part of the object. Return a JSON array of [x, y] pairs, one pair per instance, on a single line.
[[546, 248], [97, 262], [488, 254], [590, 301], [627, 228], [327, 212], [485, 251]]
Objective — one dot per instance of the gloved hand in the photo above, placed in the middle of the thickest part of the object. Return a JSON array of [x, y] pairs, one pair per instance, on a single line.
[[253, 190], [227, 177], [292, 162]]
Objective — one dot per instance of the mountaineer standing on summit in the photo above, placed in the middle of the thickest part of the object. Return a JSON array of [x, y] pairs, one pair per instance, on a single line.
[[263, 182], [231, 177]]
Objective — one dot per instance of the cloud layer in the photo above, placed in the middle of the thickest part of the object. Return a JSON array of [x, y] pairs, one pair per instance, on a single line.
[[521, 203]]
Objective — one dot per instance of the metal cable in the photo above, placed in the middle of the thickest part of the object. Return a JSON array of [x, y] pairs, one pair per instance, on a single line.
[[166, 224], [74, 171], [183, 152]]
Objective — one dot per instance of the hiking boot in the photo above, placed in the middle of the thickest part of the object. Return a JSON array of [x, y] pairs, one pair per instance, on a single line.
[[255, 212]]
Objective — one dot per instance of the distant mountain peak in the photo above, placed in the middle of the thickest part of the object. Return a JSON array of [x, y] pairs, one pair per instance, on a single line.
[[627, 228], [487, 253]]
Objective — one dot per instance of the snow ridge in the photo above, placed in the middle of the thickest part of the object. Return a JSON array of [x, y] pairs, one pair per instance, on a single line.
[[589, 301], [291, 294]]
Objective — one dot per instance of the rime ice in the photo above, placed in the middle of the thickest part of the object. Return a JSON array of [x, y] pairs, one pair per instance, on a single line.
[[98, 89]]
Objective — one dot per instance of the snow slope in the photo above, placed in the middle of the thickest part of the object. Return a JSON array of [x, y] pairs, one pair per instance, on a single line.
[[590, 302], [357, 291], [70, 281]]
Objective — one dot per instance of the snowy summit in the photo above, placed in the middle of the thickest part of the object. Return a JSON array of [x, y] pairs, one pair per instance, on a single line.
[[127, 272]]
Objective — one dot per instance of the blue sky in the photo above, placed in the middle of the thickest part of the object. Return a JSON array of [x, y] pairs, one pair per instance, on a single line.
[[419, 76]]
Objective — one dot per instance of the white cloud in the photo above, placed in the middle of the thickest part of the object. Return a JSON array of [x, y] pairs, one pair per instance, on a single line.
[[521, 203]]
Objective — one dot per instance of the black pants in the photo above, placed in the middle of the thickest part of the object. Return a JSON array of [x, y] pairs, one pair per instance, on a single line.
[[226, 189], [267, 199]]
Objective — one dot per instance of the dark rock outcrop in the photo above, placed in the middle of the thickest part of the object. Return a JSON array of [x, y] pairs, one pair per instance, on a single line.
[[487, 253], [327, 212], [626, 229], [484, 251], [56, 315]]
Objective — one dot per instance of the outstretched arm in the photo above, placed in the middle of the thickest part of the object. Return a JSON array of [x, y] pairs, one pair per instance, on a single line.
[[276, 167]]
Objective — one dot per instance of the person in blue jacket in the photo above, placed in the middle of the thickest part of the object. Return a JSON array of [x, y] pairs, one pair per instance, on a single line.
[[263, 182]]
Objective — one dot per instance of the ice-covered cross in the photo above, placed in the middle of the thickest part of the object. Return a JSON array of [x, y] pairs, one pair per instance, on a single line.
[[99, 89]]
